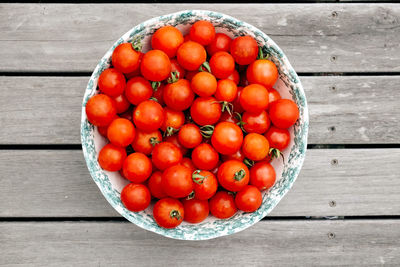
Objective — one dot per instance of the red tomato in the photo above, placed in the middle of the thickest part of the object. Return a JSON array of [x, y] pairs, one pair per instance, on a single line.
[[249, 199], [155, 65], [144, 142], [195, 210], [202, 32], [264, 72], [137, 71], [168, 212], [100, 110], [121, 132], [148, 116], [234, 77], [255, 146], [175, 67], [173, 121], [262, 175], [186, 38], [278, 138], [205, 184], [167, 39], [221, 42], [177, 181], [191, 55], [205, 111], [158, 94], [112, 157], [256, 122], [204, 84], [112, 82], [165, 155], [187, 162], [222, 205], [244, 50], [283, 113], [125, 58], [233, 175], [254, 98], [138, 90], [121, 103], [189, 135], [273, 95], [205, 157], [174, 140], [222, 65], [237, 107], [137, 167], [226, 90], [238, 155], [135, 197], [127, 114], [178, 95], [227, 138], [190, 74], [155, 187], [225, 116]]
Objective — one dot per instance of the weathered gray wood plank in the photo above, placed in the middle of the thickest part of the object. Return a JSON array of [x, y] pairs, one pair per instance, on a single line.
[[56, 183], [46, 110], [268, 243], [316, 38]]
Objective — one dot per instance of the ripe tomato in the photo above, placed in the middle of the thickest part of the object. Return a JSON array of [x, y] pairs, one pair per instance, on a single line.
[[254, 98], [178, 95], [175, 67], [262, 175], [186, 38], [205, 110], [121, 132], [205, 184], [237, 107], [127, 114], [144, 142], [189, 135], [165, 155], [177, 181], [195, 210], [222, 205], [256, 122], [244, 50], [221, 42], [158, 94], [238, 155], [233, 175], [205, 157], [168, 212], [121, 103], [190, 74], [283, 113], [278, 138], [273, 95], [173, 121], [191, 55], [264, 72], [125, 58], [138, 90], [100, 110], [187, 162], [137, 71], [148, 116], [155, 187], [222, 65], [204, 84], [155, 65], [167, 39], [227, 138], [255, 146], [248, 199], [112, 157], [225, 116], [174, 140], [235, 77], [135, 197], [137, 167], [226, 90], [112, 82], [202, 32]]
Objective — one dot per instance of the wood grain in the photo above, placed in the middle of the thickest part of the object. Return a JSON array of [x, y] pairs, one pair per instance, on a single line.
[[56, 183], [316, 38]]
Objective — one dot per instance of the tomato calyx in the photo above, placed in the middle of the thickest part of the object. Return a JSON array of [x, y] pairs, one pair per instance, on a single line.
[[155, 85], [261, 54], [241, 123], [137, 44], [239, 175], [226, 106], [175, 75], [175, 214], [206, 66], [170, 131], [198, 178], [248, 162], [190, 196], [207, 131], [154, 141], [276, 153]]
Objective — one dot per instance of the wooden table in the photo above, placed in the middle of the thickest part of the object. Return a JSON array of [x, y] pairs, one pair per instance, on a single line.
[[344, 209]]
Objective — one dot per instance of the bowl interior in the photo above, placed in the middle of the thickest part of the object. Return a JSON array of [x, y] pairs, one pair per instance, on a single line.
[[288, 85]]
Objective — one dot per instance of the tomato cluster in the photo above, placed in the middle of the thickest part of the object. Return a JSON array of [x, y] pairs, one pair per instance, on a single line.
[[193, 123]]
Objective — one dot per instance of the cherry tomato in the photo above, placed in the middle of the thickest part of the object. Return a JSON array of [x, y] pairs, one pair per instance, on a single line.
[[135, 197], [256, 122], [204, 84], [244, 50], [158, 94], [191, 55], [167, 39], [221, 42], [226, 90], [278, 138], [190, 74], [273, 95], [137, 71], [264, 72], [112, 82], [237, 107], [177, 181], [262, 175], [175, 67], [127, 114], [222, 65], [222, 205], [173, 121], [283, 113], [195, 210], [137, 167], [189, 135], [174, 140], [103, 129], [148, 116], [187, 162], [168, 212], [227, 138], [178, 95], [121, 132], [121, 103], [100, 110], [112, 157], [254, 98], [248, 199], [138, 90], [233, 175], [186, 38], [205, 110], [165, 155], [255, 146], [205, 184], [238, 155], [125, 58], [155, 187], [144, 142], [225, 116], [202, 32], [235, 77], [155, 65], [205, 157]]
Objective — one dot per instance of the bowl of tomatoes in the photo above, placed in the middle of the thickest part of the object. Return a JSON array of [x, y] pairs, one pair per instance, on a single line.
[[194, 125]]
